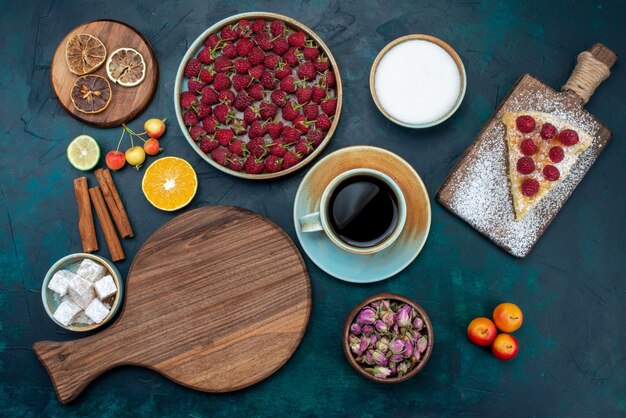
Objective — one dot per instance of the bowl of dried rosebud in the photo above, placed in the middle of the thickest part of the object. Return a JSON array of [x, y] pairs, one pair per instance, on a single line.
[[388, 338]]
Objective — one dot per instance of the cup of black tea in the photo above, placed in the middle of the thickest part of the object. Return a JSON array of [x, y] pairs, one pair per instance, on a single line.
[[362, 211]]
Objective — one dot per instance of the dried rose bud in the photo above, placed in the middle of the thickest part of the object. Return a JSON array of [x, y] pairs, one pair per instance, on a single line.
[[397, 346], [404, 316], [393, 367], [355, 328], [380, 372], [422, 343], [382, 346], [372, 340], [389, 318], [416, 356], [368, 358], [366, 316], [418, 323], [367, 329], [403, 367], [408, 347], [381, 326], [379, 358], [397, 357], [355, 344], [363, 343]]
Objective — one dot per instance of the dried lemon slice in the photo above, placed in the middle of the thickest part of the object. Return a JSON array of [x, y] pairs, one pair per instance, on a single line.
[[84, 53], [126, 67], [91, 93]]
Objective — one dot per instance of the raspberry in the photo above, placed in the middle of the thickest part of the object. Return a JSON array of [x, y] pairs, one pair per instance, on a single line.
[[270, 61], [195, 86], [190, 118], [244, 46], [268, 81], [210, 124], [209, 96], [188, 99], [197, 132], [279, 98], [222, 64], [220, 155], [548, 131], [528, 147], [258, 26], [240, 82], [287, 84], [525, 123], [238, 147], [224, 136], [256, 72], [193, 67], [292, 57], [212, 40], [204, 56], [267, 110], [228, 34], [568, 137], [274, 129], [551, 173], [290, 159], [251, 114], [256, 147], [329, 106], [222, 113], [291, 134], [204, 110], [525, 165], [263, 41], [306, 71], [278, 148], [208, 144], [301, 124], [239, 126], [254, 165], [303, 147], [256, 91], [235, 163], [556, 154], [230, 51], [282, 70], [315, 137], [304, 95], [291, 111], [310, 53], [207, 75], [319, 93], [328, 79], [242, 101], [310, 111], [242, 66], [281, 46], [221, 82], [256, 56], [322, 63], [323, 122], [277, 27], [297, 39], [273, 164], [530, 187], [226, 97], [256, 130], [244, 29]]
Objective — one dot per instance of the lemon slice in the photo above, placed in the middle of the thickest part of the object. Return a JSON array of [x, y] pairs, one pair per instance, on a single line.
[[126, 67], [83, 152], [169, 183]]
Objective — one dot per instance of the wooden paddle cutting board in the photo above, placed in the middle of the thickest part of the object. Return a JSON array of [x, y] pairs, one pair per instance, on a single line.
[[216, 300], [477, 189], [126, 102]]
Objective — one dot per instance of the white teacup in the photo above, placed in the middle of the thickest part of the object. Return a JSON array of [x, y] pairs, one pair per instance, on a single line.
[[319, 221]]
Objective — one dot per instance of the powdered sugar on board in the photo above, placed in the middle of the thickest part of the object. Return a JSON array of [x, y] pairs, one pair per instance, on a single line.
[[477, 190]]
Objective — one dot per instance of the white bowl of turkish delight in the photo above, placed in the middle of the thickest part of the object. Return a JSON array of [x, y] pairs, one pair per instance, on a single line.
[[82, 292]]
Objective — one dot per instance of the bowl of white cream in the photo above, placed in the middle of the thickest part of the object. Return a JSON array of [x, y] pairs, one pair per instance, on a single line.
[[418, 81]]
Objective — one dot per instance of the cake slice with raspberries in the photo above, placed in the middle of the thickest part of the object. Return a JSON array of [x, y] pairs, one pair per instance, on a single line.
[[542, 150]]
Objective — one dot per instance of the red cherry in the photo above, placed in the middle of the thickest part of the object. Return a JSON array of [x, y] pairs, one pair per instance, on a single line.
[[556, 154], [525, 165], [115, 160], [551, 173], [530, 187]]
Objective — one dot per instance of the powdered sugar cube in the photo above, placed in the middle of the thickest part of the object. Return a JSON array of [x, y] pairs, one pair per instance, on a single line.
[[82, 318], [66, 312], [81, 291], [96, 311], [91, 270], [105, 287], [60, 281]]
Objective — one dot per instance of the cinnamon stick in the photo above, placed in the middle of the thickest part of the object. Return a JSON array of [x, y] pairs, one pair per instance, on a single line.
[[114, 203], [113, 242], [86, 227]]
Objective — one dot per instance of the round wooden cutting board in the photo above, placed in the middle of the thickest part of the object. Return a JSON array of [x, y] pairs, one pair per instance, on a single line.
[[217, 300], [127, 102]]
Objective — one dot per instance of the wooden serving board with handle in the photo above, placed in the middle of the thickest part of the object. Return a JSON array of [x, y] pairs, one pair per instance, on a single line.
[[216, 300], [126, 102], [477, 189]]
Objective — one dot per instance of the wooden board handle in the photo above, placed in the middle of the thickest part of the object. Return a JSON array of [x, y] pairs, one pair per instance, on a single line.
[[592, 68], [72, 365]]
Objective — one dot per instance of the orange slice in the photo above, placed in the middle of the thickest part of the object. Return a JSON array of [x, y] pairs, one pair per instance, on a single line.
[[84, 53], [91, 93], [169, 183]]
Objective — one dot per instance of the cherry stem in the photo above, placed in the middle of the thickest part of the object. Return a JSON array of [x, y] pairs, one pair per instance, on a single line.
[[120, 141]]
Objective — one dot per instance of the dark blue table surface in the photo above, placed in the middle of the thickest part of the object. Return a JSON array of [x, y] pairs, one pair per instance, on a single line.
[[572, 359]]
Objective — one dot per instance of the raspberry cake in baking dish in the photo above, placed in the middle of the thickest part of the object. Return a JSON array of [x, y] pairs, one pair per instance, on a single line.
[[541, 151]]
